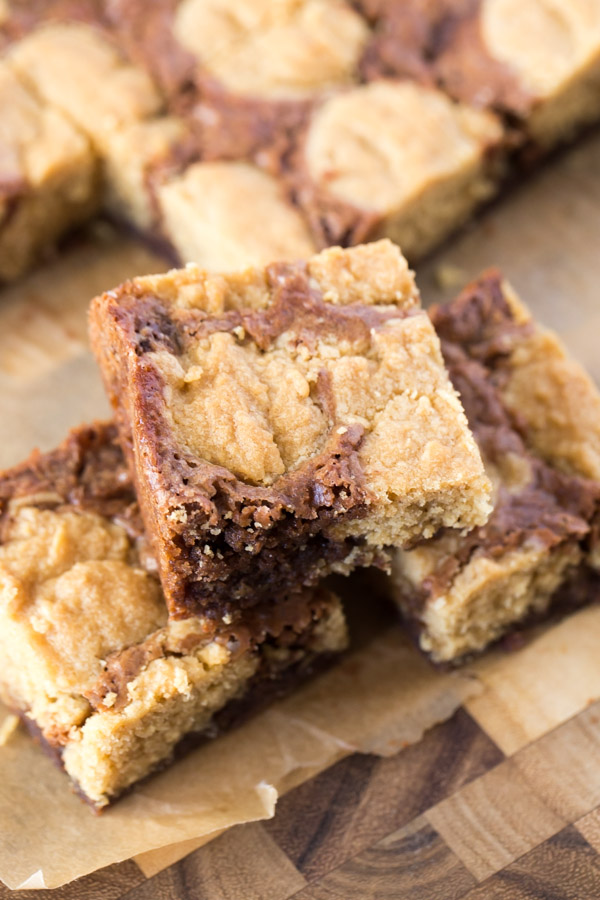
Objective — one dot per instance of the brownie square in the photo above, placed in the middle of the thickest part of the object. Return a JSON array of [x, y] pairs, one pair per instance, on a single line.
[[283, 423], [536, 417], [90, 660], [537, 63], [210, 210]]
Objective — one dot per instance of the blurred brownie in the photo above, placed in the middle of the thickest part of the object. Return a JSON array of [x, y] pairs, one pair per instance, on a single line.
[[19, 17], [536, 61], [536, 418], [394, 159], [418, 38], [548, 52], [377, 118], [89, 658], [283, 423], [80, 71], [281, 51], [48, 175], [211, 210]]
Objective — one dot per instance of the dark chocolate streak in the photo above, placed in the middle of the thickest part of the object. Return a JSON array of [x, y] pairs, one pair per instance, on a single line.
[[295, 307], [478, 334], [439, 43], [87, 471], [222, 124], [26, 15]]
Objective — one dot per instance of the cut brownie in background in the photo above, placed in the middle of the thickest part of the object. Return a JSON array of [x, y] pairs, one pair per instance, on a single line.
[[243, 72], [283, 423], [550, 54], [536, 418], [394, 159], [49, 179], [348, 122], [80, 71], [89, 659], [228, 215], [536, 61]]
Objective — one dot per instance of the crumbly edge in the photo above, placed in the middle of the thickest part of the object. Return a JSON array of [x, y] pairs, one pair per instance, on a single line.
[[185, 696], [487, 598], [555, 399], [149, 695]]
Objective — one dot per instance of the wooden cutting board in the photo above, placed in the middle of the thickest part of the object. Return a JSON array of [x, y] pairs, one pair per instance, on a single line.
[[497, 802]]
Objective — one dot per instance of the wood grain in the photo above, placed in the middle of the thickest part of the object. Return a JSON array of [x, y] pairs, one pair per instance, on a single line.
[[413, 864], [243, 863], [361, 799], [505, 823], [589, 827], [494, 820], [562, 767], [563, 868], [525, 800]]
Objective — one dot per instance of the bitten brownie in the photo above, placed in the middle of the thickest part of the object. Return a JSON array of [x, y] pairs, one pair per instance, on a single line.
[[284, 423], [89, 658], [536, 418]]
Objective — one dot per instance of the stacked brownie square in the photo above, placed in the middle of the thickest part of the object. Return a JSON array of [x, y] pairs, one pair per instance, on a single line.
[[283, 423], [328, 122]]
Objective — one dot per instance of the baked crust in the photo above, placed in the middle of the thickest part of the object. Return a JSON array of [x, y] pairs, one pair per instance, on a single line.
[[283, 423], [534, 414], [89, 657]]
